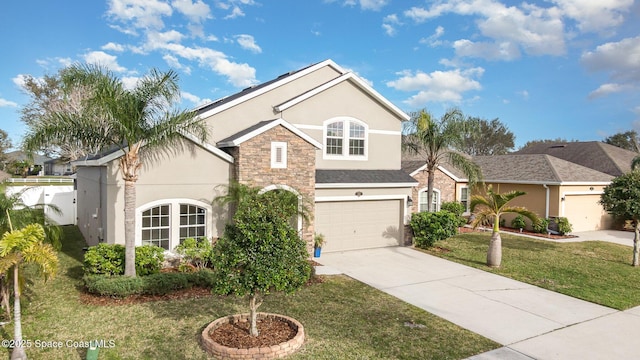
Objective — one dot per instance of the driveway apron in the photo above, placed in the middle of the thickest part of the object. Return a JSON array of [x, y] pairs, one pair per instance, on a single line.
[[522, 317]]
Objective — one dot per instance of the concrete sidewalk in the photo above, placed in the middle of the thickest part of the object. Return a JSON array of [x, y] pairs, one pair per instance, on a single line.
[[531, 322]]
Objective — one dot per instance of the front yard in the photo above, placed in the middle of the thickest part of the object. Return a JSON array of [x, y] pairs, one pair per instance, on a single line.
[[343, 319], [595, 271]]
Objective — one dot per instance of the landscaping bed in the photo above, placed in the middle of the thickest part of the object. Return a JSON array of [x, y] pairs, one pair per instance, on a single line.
[[465, 230]]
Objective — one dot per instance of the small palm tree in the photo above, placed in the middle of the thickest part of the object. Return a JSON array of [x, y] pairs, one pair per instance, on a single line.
[[134, 121], [433, 141], [491, 207], [17, 248]]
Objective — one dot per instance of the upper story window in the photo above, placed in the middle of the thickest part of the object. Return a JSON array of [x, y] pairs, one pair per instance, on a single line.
[[345, 138]]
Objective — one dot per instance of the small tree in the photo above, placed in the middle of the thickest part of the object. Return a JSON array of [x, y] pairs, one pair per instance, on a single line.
[[490, 208], [260, 252], [621, 198], [17, 248]]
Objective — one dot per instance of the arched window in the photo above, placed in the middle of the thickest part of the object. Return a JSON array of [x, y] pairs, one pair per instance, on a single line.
[[345, 138], [166, 223], [435, 201]]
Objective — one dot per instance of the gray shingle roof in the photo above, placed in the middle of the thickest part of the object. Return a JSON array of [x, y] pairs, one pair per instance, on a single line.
[[362, 176], [595, 155], [245, 131], [536, 168]]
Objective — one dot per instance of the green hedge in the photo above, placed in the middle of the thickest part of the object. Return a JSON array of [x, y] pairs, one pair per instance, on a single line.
[[155, 284], [108, 259], [429, 227]]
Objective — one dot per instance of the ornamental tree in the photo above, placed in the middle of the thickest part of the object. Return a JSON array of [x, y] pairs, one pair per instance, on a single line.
[[621, 199], [260, 252]]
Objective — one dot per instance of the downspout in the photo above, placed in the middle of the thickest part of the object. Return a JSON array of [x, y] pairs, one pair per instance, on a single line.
[[546, 201]]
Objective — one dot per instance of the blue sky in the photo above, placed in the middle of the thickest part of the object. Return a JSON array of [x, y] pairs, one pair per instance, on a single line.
[[546, 69]]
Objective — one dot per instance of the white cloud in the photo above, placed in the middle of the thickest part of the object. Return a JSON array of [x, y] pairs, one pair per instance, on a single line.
[[523, 94], [595, 16], [142, 14], [101, 58], [130, 82], [194, 99], [375, 5], [487, 50], [174, 62], [388, 24], [19, 80], [437, 86], [434, 39], [235, 13], [608, 89], [111, 46], [7, 103], [196, 11], [247, 42]]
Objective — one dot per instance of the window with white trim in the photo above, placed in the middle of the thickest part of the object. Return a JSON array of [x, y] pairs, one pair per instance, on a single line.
[[435, 200], [278, 155], [156, 228], [345, 138], [167, 223], [464, 198]]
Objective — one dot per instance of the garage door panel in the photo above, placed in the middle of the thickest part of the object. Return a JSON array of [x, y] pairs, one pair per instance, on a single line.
[[359, 224], [584, 213]]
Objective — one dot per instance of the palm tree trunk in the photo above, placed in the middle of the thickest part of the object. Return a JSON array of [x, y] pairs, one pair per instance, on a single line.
[[18, 350], [430, 178], [130, 228], [636, 246], [494, 255]]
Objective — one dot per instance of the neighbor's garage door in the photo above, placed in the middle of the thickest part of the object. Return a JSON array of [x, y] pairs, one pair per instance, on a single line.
[[584, 213], [351, 225]]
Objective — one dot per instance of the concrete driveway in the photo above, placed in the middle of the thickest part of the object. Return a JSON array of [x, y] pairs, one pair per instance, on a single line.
[[531, 322]]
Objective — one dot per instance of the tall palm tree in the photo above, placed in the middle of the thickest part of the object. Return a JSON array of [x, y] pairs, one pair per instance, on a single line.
[[17, 248], [433, 141], [491, 207], [136, 121]]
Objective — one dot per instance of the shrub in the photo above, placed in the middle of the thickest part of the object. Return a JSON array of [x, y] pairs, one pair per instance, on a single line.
[[564, 226], [108, 259], [518, 222], [541, 226], [457, 208], [105, 259], [149, 259], [429, 227], [195, 252], [155, 284]]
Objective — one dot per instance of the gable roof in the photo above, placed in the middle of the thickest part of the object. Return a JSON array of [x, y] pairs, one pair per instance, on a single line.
[[20, 155], [595, 155], [257, 129], [257, 90], [537, 169]]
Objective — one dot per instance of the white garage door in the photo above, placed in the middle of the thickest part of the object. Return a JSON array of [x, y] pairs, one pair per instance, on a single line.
[[351, 225], [584, 213]]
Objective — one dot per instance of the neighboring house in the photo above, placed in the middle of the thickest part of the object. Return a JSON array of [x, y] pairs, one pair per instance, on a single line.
[[554, 187], [321, 132], [36, 161], [4, 176], [58, 167], [595, 155]]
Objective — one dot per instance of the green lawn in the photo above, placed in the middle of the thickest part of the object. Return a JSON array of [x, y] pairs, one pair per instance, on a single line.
[[595, 271], [343, 319]]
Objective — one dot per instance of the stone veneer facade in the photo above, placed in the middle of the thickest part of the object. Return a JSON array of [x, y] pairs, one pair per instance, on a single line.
[[253, 167], [441, 181]]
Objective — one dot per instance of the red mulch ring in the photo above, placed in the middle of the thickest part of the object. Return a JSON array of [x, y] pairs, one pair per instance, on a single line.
[[236, 335], [517, 231]]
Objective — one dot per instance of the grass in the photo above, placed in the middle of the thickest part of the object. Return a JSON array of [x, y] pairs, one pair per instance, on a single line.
[[343, 319], [595, 271]]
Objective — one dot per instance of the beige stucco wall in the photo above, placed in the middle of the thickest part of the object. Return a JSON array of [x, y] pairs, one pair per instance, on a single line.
[[534, 199], [192, 174]]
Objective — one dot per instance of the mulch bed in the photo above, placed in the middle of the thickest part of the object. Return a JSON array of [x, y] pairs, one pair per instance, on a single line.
[[193, 293], [236, 335], [517, 231]]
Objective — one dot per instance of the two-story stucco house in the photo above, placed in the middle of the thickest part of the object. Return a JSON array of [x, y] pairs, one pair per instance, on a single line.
[[321, 132]]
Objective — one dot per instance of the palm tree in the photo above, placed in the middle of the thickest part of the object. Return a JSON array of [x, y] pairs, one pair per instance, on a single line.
[[492, 206], [17, 248], [136, 121], [433, 141]]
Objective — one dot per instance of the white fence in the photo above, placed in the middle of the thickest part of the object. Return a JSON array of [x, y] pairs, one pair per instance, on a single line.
[[64, 197], [40, 180]]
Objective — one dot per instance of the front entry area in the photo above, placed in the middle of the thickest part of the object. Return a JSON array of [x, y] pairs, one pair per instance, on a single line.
[[353, 225]]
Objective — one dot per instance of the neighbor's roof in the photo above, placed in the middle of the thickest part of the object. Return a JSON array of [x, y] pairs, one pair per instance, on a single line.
[[537, 169], [346, 178], [19, 155], [595, 155]]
